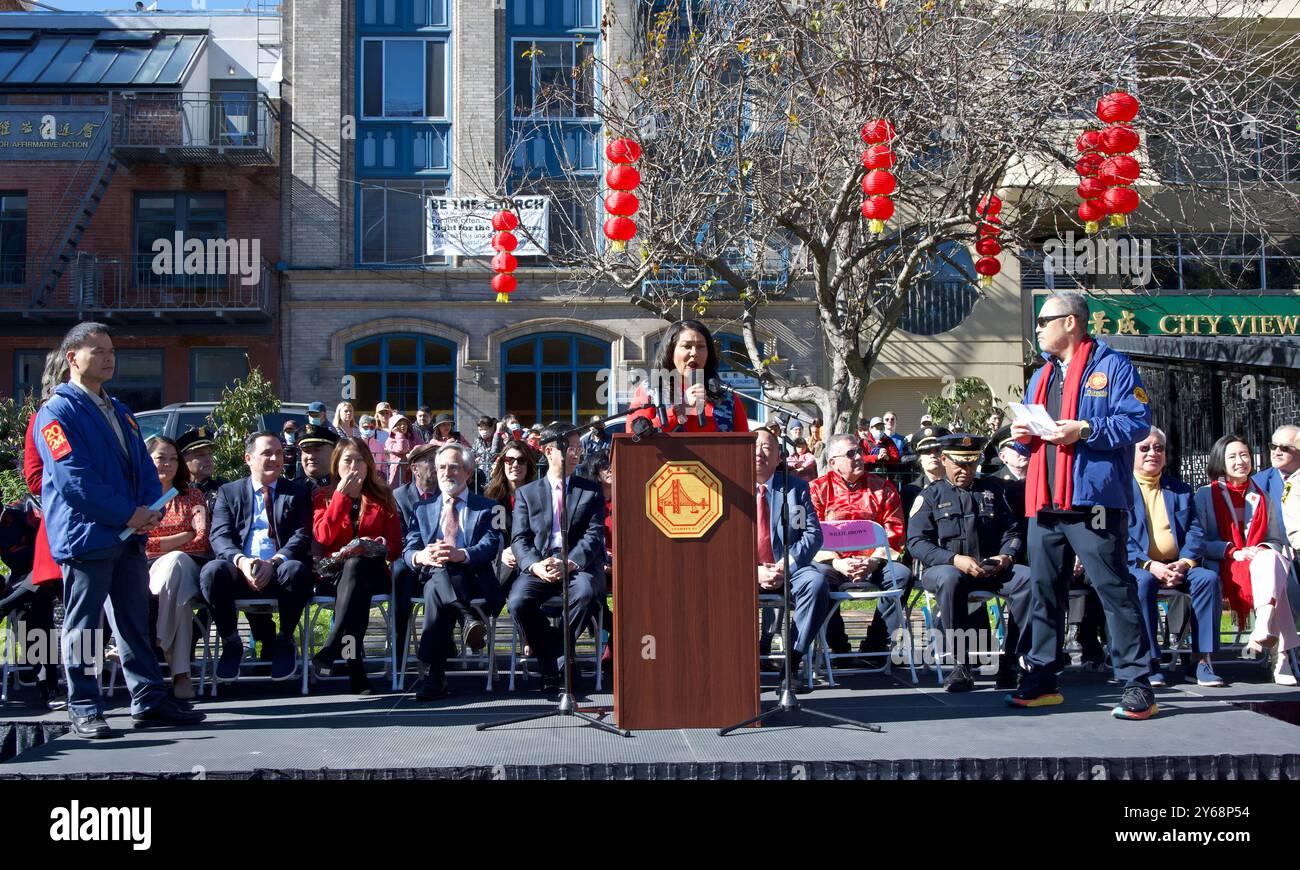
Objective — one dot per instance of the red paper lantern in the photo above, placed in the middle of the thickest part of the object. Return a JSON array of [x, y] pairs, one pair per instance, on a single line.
[[877, 210], [1120, 139], [504, 284], [1088, 141], [988, 247], [877, 131], [504, 221], [1088, 164], [504, 242], [622, 151], [879, 157], [989, 206], [1091, 211], [622, 177], [990, 227], [879, 182], [619, 230], [1117, 106], [1120, 201], [504, 262], [1091, 187], [622, 203], [986, 268], [1120, 169]]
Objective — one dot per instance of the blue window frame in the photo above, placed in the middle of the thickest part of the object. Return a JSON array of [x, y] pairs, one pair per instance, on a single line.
[[732, 348], [553, 14], [554, 376], [406, 371], [401, 14]]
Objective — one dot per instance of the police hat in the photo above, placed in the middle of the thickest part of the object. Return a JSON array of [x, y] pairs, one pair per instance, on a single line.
[[926, 439], [313, 434], [963, 446], [1003, 438], [194, 439]]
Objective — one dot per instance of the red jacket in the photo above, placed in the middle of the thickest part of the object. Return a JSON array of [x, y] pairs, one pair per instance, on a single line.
[[332, 526], [44, 568], [874, 498]]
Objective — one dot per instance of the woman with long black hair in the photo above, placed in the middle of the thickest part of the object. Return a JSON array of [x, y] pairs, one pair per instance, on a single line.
[[679, 397]]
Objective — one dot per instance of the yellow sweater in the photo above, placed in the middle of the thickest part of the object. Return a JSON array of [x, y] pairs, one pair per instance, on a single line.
[[1163, 547]]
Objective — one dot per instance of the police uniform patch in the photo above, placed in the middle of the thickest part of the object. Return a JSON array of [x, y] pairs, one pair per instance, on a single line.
[[58, 443], [1140, 394], [1097, 381]]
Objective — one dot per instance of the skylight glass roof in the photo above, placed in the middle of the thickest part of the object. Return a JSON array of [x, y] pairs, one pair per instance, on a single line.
[[109, 57]]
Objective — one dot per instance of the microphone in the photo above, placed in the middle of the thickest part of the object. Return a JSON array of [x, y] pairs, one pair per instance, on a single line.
[[696, 378]]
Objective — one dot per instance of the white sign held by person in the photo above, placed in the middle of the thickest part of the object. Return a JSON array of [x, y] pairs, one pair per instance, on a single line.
[[462, 226]]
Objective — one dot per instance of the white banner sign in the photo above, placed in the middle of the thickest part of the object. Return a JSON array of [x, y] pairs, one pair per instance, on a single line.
[[462, 226]]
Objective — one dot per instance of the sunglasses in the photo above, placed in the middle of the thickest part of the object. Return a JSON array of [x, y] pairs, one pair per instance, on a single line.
[[1043, 320], [1151, 448], [849, 454], [1285, 448], [513, 460]]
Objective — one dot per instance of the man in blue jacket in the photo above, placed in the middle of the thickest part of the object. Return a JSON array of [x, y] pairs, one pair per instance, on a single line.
[[1078, 498], [98, 482], [1284, 459]]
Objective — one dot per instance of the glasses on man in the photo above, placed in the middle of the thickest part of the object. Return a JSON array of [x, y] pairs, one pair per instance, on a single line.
[[1282, 448], [1044, 319], [855, 453], [1151, 448]]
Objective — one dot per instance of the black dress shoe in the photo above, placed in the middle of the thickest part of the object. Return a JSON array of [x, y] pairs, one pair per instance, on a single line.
[[168, 711], [552, 685], [228, 665], [284, 658], [93, 727], [323, 661], [475, 635], [432, 688], [959, 680]]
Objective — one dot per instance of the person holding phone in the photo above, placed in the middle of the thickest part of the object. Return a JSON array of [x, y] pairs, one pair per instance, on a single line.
[[963, 532]]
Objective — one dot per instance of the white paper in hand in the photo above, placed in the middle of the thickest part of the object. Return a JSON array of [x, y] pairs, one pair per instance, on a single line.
[[1040, 423]]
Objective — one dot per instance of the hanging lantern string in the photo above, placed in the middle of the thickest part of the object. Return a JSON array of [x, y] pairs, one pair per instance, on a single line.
[[621, 204]]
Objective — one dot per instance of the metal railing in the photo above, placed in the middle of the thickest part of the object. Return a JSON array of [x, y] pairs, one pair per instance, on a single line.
[[141, 283], [224, 121]]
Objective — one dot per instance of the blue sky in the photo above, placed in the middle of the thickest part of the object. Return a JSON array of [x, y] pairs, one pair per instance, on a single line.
[[163, 5]]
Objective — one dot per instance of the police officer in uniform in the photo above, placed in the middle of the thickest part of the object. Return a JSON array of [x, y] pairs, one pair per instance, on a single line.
[[964, 535], [925, 452], [315, 448], [195, 448]]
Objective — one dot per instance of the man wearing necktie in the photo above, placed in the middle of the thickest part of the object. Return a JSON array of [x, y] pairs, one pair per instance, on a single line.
[[559, 512], [452, 542], [809, 590]]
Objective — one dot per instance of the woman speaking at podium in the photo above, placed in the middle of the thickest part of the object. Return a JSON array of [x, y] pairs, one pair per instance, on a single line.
[[678, 398]]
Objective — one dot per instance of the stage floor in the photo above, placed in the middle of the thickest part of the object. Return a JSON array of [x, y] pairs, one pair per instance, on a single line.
[[261, 730]]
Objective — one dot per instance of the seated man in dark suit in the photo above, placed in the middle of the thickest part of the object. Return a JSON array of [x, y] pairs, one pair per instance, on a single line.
[[542, 531], [809, 586], [453, 542], [261, 538], [1164, 544]]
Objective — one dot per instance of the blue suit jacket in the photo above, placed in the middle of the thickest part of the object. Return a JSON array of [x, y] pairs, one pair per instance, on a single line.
[[1271, 481], [1117, 409], [233, 512], [90, 492], [483, 539], [805, 541], [1178, 507]]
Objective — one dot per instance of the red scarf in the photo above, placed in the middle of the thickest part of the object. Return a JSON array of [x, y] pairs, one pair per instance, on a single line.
[[1233, 575], [1037, 494]]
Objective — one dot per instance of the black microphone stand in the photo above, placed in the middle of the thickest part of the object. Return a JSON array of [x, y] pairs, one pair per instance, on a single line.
[[567, 705], [787, 700]]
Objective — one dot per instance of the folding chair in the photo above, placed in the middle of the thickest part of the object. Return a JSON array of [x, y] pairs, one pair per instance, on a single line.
[[519, 662], [776, 603], [311, 616], [487, 658], [114, 668], [865, 591], [933, 627], [213, 650]]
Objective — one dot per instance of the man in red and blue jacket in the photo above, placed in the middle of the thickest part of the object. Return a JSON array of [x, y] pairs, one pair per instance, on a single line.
[[1079, 497], [98, 483]]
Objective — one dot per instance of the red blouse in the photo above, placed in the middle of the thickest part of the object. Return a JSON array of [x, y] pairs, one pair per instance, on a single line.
[[739, 420], [332, 526], [178, 516]]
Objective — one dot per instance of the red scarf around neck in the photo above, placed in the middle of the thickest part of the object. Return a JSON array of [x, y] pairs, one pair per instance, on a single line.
[[1233, 575], [1037, 493]]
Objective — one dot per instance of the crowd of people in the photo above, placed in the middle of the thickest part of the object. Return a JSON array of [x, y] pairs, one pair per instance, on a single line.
[[358, 506]]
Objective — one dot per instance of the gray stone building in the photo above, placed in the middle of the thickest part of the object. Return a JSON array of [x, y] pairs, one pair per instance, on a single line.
[[389, 102]]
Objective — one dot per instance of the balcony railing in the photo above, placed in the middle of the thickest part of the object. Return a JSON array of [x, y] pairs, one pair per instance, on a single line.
[[131, 289], [221, 128]]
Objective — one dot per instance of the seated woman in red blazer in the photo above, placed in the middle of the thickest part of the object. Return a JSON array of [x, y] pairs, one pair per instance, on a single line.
[[360, 505], [688, 363]]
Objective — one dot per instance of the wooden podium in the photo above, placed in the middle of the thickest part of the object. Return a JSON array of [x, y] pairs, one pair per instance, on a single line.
[[685, 588]]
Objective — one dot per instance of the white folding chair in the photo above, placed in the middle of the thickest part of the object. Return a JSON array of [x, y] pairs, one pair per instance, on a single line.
[[864, 592], [519, 662], [487, 659], [776, 604], [933, 627], [213, 649], [311, 615]]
